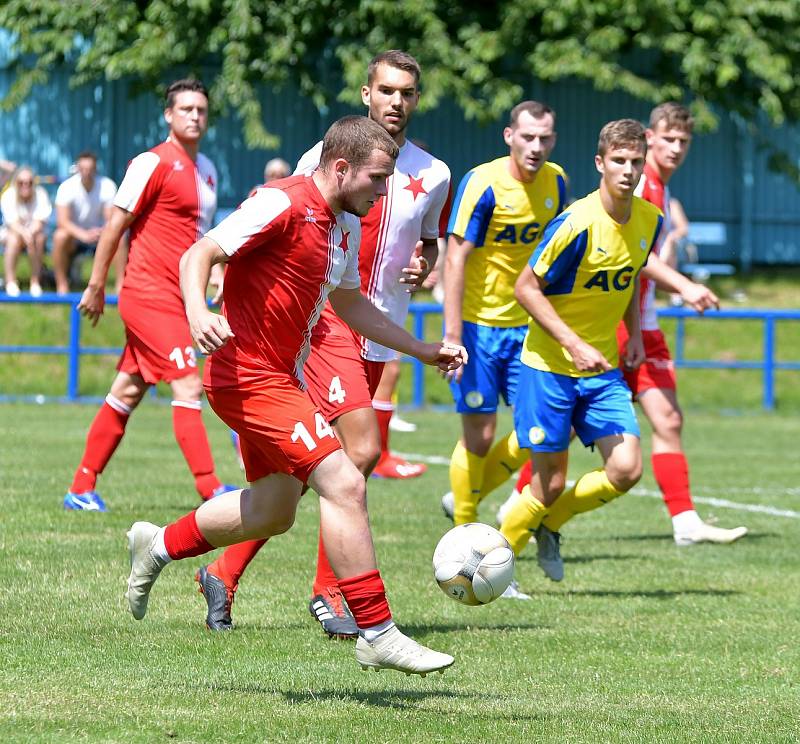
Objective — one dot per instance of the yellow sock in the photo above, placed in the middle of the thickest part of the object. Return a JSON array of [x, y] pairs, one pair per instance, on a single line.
[[503, 460], [523, 517], [466, 477], [590, 491]]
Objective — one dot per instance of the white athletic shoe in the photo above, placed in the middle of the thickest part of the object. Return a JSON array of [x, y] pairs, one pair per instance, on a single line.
[[513, 592], [394, 650], [505, 506], [401, 425], [709, 533], [36, 289], [145, 566], [449, 505], [548, 553], [12, 289]]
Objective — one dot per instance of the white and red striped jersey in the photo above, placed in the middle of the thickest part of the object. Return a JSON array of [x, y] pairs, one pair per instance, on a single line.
[[651, 188], [174, 199], [410, 211], [288, 251]]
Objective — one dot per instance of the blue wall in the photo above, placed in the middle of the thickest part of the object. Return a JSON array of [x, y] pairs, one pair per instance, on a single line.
[[760, 209]]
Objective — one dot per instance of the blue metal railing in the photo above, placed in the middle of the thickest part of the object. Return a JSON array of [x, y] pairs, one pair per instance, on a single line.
[[768, 364]]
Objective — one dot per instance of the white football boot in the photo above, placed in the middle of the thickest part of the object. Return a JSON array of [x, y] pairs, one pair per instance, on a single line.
[[394, 650], [709, 533], [512, 592], [145, 566], [448, 505]]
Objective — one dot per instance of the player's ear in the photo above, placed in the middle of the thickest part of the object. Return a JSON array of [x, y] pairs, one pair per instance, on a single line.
[[508, 133], [365, 95], [598, 163], [168, 116], [650, 137], [341, 167]]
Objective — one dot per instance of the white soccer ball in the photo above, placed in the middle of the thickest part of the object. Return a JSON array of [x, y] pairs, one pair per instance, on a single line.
[[473, 563]]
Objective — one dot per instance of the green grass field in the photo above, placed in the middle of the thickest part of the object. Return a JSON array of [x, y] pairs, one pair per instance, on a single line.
[[642, 642]]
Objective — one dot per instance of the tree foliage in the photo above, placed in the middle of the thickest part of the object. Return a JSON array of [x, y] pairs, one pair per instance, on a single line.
[[736, 55]]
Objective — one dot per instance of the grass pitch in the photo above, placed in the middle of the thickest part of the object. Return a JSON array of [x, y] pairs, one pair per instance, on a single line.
[[642, 642]]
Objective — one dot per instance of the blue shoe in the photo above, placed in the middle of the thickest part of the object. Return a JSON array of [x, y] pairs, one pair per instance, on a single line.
[[223, 488], [86, 501], [237, 448]]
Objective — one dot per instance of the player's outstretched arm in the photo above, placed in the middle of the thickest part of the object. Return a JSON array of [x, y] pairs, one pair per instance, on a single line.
[[209, 330], [529, 293], [697, 296], [94, 296], [361, 315]]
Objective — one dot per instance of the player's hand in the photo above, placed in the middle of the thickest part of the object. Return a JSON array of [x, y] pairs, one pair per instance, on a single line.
[[634, 355], [417, 270], [210, 331], [700, 297], [588, 359], [92, 303], [446, 356], [217, 280]]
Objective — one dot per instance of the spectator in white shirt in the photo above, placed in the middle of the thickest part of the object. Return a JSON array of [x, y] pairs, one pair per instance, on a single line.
[[83, 204], [25, 208]]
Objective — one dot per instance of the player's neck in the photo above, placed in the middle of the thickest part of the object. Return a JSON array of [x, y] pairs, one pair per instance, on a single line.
[[618, 208], [191, 147], [88, 184], [328, 189], [663, 173], [518, 175]]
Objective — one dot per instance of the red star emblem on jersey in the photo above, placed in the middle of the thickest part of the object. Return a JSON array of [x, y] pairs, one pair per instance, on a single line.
[[415, 187], [210, 181]]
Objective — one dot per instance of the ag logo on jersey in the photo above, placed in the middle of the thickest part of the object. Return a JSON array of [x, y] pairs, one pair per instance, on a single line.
[[536, 435], [474, 399]]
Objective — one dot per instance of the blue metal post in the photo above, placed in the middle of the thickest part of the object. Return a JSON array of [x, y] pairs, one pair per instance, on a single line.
[[769, 363], [680, 332], [74, 353]]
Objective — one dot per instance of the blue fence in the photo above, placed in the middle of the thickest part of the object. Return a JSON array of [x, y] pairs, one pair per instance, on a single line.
[[768, 364]]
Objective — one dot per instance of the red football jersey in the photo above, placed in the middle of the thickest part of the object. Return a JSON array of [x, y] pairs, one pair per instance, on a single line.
[[174, 199], [288, 252]]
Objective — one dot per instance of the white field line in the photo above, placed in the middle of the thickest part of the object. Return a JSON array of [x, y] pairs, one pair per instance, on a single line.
[[709, 500]]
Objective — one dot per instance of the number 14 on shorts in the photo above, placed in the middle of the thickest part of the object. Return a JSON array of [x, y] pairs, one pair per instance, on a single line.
[[301, 432]]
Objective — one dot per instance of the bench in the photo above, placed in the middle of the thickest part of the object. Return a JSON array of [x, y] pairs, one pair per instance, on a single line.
[[700, 234]]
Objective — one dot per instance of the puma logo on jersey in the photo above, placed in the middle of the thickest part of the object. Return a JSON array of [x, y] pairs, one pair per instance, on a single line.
[[602, 250]]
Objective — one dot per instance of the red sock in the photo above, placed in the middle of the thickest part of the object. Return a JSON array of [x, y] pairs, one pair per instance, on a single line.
[[187, 422], [383, 410], [325, 577], [672, 475], [104, 436], [524, 478], [232, 563], [366, 598], [183, 538]]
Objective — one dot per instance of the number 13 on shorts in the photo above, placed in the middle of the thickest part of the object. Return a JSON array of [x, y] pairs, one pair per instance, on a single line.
[[302, 434]]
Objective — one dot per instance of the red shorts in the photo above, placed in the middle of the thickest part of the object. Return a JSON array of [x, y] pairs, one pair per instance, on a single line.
[[159, 345], [279, 428], [339, 379], [657, 371]]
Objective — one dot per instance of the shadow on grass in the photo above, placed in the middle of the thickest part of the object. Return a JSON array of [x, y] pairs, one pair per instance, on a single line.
[[650, 594], [415, 631], [531, 556]]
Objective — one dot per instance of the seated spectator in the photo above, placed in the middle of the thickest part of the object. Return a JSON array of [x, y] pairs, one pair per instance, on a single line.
[[275, 169], [25, 208], [83, 204]]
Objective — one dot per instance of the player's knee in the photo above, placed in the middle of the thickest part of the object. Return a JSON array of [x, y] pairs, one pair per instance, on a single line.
[[365, 455], [351, 488], [625, 472], [669, 423]]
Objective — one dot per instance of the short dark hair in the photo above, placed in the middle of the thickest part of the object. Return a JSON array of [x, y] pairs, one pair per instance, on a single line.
[[536, 109], [674, 115], [86, 155], [354, 138], [394, 58], [621, 133], [179, 86]]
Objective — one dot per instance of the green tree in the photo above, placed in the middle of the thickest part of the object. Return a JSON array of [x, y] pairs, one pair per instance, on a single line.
[[736, 55]]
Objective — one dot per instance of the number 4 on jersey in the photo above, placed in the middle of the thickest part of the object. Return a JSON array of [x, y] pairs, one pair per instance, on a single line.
[[304, 435], [336, 392]]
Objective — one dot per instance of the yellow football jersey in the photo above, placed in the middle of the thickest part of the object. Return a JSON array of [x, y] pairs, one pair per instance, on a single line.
[[591, 265], [504, 219]]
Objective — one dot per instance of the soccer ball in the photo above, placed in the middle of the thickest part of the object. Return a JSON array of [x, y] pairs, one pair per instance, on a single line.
[[473, 563]]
